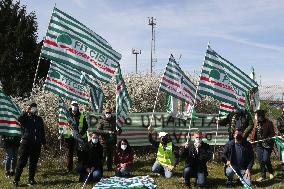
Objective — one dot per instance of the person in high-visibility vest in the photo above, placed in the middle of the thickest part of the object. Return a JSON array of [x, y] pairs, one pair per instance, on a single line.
[[167, 155], [70, 142]]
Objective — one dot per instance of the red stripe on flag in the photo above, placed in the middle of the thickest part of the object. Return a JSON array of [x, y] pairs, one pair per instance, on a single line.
[[227, 106], [222, 85], [67, 87], [81, 54], [8, 122], [171, 82]]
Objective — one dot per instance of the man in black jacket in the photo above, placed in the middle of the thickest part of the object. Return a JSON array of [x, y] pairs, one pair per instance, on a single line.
[[33, 136], [239, 154], [92, 159], [196, 157]]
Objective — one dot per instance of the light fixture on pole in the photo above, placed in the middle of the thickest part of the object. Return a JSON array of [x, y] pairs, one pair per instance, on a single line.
[[136, 52], [152, 23]]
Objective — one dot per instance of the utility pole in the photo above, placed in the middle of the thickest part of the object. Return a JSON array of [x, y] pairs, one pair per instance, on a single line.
[[152, 23], [136, 52]]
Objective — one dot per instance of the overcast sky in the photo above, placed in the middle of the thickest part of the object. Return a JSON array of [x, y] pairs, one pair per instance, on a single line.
[[247, 33]]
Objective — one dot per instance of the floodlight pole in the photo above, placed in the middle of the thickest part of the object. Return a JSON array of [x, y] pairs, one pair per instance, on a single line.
[[136, 52], [152, 23]]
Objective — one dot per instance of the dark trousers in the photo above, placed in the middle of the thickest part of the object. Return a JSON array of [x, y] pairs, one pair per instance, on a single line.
[[27, 151], [108, 156], [263, 156], [70, 145]]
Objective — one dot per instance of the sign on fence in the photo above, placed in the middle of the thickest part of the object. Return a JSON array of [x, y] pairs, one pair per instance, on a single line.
[[135, 129]]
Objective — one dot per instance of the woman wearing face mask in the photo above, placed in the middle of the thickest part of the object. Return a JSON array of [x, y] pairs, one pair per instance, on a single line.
[[123, 158], [92, 160]]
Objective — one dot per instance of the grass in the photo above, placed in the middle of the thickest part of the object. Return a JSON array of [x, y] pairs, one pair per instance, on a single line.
[[50, 174]]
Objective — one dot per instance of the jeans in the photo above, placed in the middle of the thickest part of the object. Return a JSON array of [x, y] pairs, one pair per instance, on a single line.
[[11, 158], [263, 156], [188, 173], [70, 144], [159, 168], [123, 171], [230, 173], [108, 156], [96, 175]]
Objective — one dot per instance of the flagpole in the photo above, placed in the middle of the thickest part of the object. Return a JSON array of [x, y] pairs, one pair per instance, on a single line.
[[41, 53], [152, 117], [216, 133], [195, 96]]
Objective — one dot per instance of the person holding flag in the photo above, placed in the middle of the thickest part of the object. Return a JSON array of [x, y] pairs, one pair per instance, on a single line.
[[81, 127], [196, 158], [167, 155], [238, 155], [262, 134], [107, 129]]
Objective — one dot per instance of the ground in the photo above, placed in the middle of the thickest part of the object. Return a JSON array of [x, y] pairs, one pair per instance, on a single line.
[[51, 175]]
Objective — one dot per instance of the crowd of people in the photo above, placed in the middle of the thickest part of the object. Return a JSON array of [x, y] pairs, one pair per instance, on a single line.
[[100, 147]]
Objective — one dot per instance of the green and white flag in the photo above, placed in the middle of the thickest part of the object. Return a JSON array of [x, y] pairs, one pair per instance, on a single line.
[[9, 113], [225, 108], [123, 101], [214, 81], [65, 81], [177, 84], [239, 80], [72, 43], [96, 93], [64, 126]]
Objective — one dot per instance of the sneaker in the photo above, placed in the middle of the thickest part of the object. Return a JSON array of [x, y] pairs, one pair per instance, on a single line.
[[32, 182], [260, 179], [15, 183], [271, 176]]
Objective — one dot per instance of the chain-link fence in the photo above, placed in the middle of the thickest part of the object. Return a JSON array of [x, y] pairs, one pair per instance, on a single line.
[[272, 100]]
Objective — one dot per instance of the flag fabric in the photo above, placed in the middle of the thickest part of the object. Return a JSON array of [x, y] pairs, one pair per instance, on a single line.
[[239, 80], [72, 43], [214, 81], [225, 108], [9, 113], [123, 101], [177, 84], [65, 81], [96, 93], [168, 103]]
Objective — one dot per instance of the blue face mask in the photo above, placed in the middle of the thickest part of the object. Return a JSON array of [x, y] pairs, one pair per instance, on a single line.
[[95, 140]]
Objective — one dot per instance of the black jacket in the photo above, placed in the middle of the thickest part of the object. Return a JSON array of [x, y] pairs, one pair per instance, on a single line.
[[247, 153], [32, 127], [10, 141], [93, 156], [197, 160]]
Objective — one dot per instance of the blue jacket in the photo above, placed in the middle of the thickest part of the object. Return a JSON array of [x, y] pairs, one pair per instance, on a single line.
[[247, 154]]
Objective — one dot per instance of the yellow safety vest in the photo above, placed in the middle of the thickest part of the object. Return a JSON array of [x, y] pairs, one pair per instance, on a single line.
[[67, 132], [81, 123], [166, 157]]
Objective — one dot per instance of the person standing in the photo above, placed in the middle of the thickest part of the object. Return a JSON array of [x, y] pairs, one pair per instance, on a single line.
[[107, 129], [123, 158], [33, 137], [238, 153], [92, 159], [262, 132], [196, 158], [167, 154], [81, 128], [11, 145]]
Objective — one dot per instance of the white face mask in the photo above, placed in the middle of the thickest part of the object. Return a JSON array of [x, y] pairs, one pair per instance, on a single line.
[[74, 108], [33, 110], [123, 146], [197, 141], [108, 115], [95, 140]]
